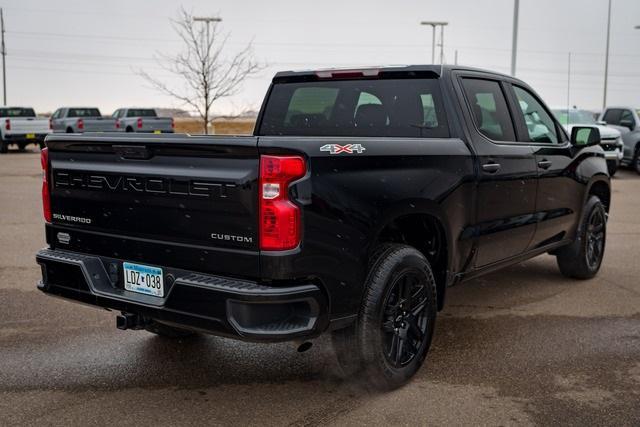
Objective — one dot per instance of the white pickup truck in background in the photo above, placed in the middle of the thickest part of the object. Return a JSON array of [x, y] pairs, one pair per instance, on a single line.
[[142, 120], [20, 126]]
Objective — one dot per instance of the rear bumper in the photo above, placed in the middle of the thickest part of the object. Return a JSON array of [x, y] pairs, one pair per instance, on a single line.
[[222, 306], [22, 137]]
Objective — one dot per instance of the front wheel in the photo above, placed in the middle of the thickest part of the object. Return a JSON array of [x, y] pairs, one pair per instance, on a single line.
[[393, 332], [636, 159], [582, 258]]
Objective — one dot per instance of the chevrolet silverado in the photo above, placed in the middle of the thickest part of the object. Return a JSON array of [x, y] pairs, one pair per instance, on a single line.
[[362, 195]]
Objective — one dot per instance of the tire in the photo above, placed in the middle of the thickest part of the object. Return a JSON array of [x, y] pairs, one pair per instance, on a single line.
[[635, 164], [167, 331], [388, 344], [4, 147], [582, 259], [612, 167]]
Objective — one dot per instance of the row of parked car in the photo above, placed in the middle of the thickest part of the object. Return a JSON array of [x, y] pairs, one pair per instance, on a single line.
[[20, 126], [619, 127]]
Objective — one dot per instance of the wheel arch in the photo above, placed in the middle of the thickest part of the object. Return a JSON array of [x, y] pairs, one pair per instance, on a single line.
[[600, 186], [420, 224]]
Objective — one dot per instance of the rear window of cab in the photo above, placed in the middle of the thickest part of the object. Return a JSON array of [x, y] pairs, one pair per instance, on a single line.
[[376, 107]]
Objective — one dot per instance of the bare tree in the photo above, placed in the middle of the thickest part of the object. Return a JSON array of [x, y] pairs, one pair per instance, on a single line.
[[208, 75]]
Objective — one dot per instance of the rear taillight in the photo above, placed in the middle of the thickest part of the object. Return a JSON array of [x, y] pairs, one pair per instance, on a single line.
[[46, 196], [279, 216], [80, 124], [7, 124], [117, 123], [173, 124], [139, 123]]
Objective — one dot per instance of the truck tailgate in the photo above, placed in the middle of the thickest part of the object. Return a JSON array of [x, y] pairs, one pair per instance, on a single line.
[[187, 202], [22, 125], [99, 124]]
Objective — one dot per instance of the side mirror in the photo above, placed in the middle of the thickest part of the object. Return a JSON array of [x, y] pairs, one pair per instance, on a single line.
[[628, 124], [601, 123], [584, 136]]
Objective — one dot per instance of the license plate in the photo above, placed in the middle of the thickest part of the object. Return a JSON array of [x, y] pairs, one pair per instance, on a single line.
[[157, 131], [143, 279], [31, 136]]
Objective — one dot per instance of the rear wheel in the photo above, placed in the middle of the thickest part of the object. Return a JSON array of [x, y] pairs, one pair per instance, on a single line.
[[582, 259], [4, 147], [168, 331], [393, 332]]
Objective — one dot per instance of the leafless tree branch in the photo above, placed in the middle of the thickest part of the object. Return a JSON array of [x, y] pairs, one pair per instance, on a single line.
[[207, 73]]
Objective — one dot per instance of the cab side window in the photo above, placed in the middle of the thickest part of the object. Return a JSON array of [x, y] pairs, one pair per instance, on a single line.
[[612, 116], [540, 125], [489, 109], [56, 114]]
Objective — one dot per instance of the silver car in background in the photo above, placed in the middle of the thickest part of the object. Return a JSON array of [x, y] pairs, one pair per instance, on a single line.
[[611, 139], [142, 120]]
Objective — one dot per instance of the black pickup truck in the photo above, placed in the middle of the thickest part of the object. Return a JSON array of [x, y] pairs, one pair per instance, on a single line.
[[361, 197]]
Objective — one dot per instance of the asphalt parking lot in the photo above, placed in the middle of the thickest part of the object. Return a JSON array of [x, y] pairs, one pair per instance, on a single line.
[[523, 346]]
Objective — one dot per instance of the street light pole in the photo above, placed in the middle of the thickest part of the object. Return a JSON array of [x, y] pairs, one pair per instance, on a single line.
[[4, 67], [606, 59], [433, 25], [514, 41]]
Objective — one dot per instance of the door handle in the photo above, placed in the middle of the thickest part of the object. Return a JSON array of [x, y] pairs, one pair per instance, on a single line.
[[491, 167], [544, 164]]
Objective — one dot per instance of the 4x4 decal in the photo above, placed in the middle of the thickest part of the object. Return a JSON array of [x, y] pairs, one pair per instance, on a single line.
[[337, 149]]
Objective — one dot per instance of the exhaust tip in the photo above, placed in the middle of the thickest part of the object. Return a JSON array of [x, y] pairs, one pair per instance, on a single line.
[[305, 346]]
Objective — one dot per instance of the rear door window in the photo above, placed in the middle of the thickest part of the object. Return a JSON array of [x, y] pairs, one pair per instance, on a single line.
[[489, 109], [626, 118], [376, 107]]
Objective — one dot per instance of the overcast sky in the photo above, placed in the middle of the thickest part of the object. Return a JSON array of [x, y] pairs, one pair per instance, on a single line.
[[82, 52]]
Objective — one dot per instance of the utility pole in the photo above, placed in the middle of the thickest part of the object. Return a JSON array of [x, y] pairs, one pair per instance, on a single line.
[[514, 42], [442, 44], [433, 25], [207, 20], [568, 86], [606, 59], [4, 54]]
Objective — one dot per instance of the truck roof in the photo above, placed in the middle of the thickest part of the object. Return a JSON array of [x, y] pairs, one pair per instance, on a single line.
[[434, 71]]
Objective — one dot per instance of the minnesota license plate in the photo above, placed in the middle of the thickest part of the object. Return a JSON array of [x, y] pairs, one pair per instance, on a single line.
[[157, 131], [143, 279], [31, 136]]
